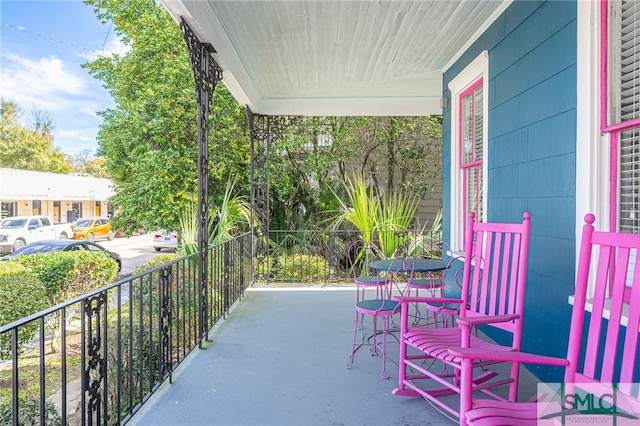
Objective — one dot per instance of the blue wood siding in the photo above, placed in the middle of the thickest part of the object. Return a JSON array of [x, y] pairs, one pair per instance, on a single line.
[[531, 154]]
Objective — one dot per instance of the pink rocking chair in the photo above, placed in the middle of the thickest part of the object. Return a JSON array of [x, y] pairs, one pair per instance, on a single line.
[[608, 355], [492, 294]]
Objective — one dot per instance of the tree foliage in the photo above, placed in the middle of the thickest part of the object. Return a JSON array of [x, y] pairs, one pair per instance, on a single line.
[[149, 139], [394, 154], [29, 148], [85, 163]]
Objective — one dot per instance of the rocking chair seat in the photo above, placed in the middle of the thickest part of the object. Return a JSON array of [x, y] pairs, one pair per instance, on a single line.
[[436, 342]]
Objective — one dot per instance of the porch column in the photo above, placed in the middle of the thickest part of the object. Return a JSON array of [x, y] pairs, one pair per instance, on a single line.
[[265, 131], [207, 74]]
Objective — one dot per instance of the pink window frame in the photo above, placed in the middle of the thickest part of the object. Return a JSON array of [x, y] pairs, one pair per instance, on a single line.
[[465, 167], [613, 129]]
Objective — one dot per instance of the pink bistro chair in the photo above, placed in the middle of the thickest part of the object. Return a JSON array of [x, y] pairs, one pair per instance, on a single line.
[[602, 348], [432, 283], [360, 254], [493, 290], [383, 307]]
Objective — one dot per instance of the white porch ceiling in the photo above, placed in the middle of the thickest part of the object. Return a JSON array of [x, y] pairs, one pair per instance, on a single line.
[[337, 57]]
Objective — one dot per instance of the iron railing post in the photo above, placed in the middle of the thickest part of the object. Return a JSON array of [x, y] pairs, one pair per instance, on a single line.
[[207, 75]]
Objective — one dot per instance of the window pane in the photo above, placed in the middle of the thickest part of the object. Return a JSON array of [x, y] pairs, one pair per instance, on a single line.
[[467, 129], [473, 192], [472, 126]]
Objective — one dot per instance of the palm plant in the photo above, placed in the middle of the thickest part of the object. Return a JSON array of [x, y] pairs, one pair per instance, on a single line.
[[226, 219], [387, 216], [395, 215], [361, 208], [428, 242], [188, 220], [223, 221]]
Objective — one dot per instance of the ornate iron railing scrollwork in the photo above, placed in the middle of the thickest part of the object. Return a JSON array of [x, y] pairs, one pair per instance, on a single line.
[[166, 319], [94, 361]]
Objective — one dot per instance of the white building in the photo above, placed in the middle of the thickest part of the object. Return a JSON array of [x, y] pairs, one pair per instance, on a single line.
[[64, 198]]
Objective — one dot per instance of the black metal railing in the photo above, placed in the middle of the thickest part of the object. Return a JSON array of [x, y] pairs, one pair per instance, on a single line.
[[96, 359], [320, 256]]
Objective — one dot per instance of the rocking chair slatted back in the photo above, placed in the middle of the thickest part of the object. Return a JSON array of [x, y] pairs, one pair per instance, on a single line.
[[612, 344], [495, 282]]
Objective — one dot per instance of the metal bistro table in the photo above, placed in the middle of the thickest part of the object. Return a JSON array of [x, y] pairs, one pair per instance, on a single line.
[[419, 265]]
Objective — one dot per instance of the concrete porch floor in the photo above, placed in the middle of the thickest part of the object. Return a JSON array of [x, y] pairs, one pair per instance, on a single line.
[[280, 359]]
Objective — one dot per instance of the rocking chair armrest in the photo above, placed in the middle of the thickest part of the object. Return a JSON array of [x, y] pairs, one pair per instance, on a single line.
[[409, 299], [488, 319], [507, 356]]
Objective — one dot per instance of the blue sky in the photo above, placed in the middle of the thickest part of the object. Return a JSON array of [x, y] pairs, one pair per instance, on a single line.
[[42, 45]]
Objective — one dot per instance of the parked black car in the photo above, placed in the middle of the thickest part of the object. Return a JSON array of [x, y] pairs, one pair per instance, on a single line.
[[45, 246]]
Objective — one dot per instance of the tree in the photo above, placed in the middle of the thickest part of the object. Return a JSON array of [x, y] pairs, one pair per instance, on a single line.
[[85, 163], [29, 149], [395, 153], [149, 139]]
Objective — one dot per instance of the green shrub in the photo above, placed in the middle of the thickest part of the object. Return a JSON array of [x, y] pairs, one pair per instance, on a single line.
[[135, 357], [68, 274], [21, 294], [301, 267], [29, 414]]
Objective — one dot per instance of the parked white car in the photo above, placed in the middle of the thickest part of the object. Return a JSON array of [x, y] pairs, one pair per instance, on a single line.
[[164, 239], [18, 231]]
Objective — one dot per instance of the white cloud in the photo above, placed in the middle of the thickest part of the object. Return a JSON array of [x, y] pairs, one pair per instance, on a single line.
[[113, 46], [117, 46], [85, 135], [46, 83], [61, 88]]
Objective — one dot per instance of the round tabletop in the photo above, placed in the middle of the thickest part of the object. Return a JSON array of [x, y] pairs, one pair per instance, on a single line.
[[419, 265]]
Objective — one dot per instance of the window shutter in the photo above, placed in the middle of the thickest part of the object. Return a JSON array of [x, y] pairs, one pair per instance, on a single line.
[[629, 60], [626, 74]]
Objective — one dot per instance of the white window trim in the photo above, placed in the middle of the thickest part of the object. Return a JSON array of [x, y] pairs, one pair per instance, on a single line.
[[592, 149], [478, 68]]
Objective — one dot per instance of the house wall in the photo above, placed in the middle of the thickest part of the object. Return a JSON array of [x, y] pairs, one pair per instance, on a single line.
[[430, 206], [531, 155]]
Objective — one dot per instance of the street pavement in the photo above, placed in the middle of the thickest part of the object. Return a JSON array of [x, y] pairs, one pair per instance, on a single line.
[[134, 250]]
